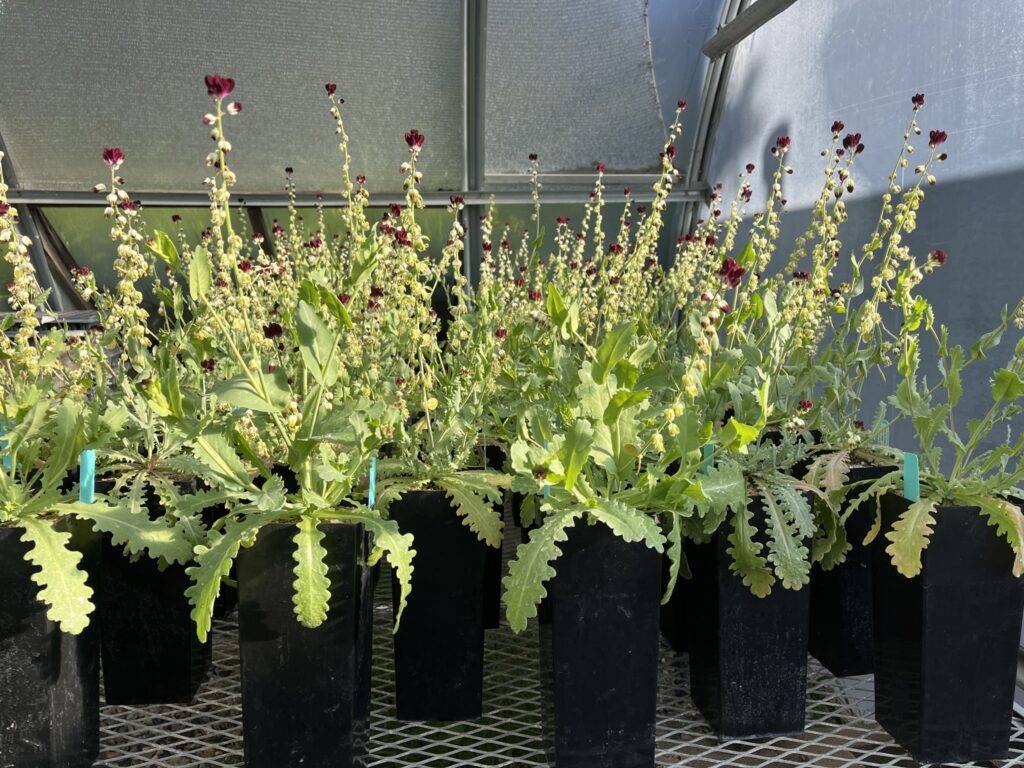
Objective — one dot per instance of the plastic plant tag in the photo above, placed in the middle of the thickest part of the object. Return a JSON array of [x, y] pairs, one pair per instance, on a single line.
[[547, 488], [707, 451], [3, 444], [371, 491], [87, 477], [911, 477]]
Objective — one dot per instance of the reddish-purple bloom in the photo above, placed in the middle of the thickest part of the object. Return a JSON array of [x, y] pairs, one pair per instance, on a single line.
[[501, 333], [218, 86], [750, 167], [837, 127], [456, 199], [917, 100], [414, 139], [209, 364], [344, 298], [852, 143], [671, 150], [805, 405], [600, 167], [731, 273], [331, 88], [681, 104], [113, 157], [533, 157], [273, 331], [801, 275], [935, 138], [782, 142], [360, 179], [939, 256]]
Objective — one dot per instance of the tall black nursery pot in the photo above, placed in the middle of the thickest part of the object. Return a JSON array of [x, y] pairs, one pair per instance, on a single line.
[[946, 640], [305, 692], [748, 654], [600, 652], [673, 613], [49, 680], [439, 646], [841, 615], [151, 654]]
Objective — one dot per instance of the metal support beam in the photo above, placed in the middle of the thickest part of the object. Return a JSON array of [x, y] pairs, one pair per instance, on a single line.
[[746, 23], [474, 94]]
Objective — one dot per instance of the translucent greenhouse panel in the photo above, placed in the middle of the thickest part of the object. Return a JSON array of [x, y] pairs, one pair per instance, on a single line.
[[85, 233], [131, 75], [573, 82], [678, 33]]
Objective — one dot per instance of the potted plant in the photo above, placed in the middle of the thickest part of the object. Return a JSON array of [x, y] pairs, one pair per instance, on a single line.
[[948, 596], [278, 427], [852, 460]]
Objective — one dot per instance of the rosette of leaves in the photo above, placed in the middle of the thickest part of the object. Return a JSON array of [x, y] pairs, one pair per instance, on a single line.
[[983, 475]]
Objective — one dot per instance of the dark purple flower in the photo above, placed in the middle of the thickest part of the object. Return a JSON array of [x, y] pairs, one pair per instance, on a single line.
[[600, 167], [939, 256], [917, 100], [782, 142], [805, 405], [671, 150], [837, 127], [731, 273], [399, 381], [414, 139], [533, 157], [501, 333], [750, 167], [456, 199], [245, 265], [801, 275], [331, 88], [360, 179], [113, 157], [681, 104], [851, 142], [273, 331], [935, 138], [218, 86], [209, 364], [344, 298]]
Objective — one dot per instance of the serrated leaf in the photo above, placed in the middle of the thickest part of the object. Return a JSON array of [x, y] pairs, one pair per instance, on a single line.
[[747, 561], [1006, 385], [213, 564], [476, 506], [133, 530], [64, 587], [675, 559], [1008, 522], [628, 523], [910, 535], [397, 546], [531, 567], [829, 472], [312, 587], [786, 550]]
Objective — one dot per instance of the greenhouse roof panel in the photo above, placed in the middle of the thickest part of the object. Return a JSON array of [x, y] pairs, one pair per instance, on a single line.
[[131, 75]]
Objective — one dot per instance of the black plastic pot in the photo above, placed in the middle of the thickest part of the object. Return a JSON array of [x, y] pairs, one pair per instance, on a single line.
[[151, 654], [305, 692], [439, 646], [673, 613], [748, 655], [946, 640], [841, 613], [49, 680], [600, 654]]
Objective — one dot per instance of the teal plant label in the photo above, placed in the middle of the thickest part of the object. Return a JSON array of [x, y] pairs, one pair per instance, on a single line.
[[707, 451], [371, 491], [87, 477], [3, 444], [911, 477]]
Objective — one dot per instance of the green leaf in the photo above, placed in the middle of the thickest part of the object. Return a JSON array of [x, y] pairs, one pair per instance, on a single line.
[[64, 587], [268, 394], [575, 449], [133, 529], [830, 471], [531, 567], [785, 549], [218, 455], [612, 350], [213, 564], [163, 246], [621, 401], [1007, 385], [1008, 522], [392, 542], [555, 306], [312, 587], [317, 345], [334, 306], [736, 436], [675, 559], [747, 256], [66, 442], [477, 508], [988, 340], [909, 537], [747, 561], [200, 274], [628, 523]]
